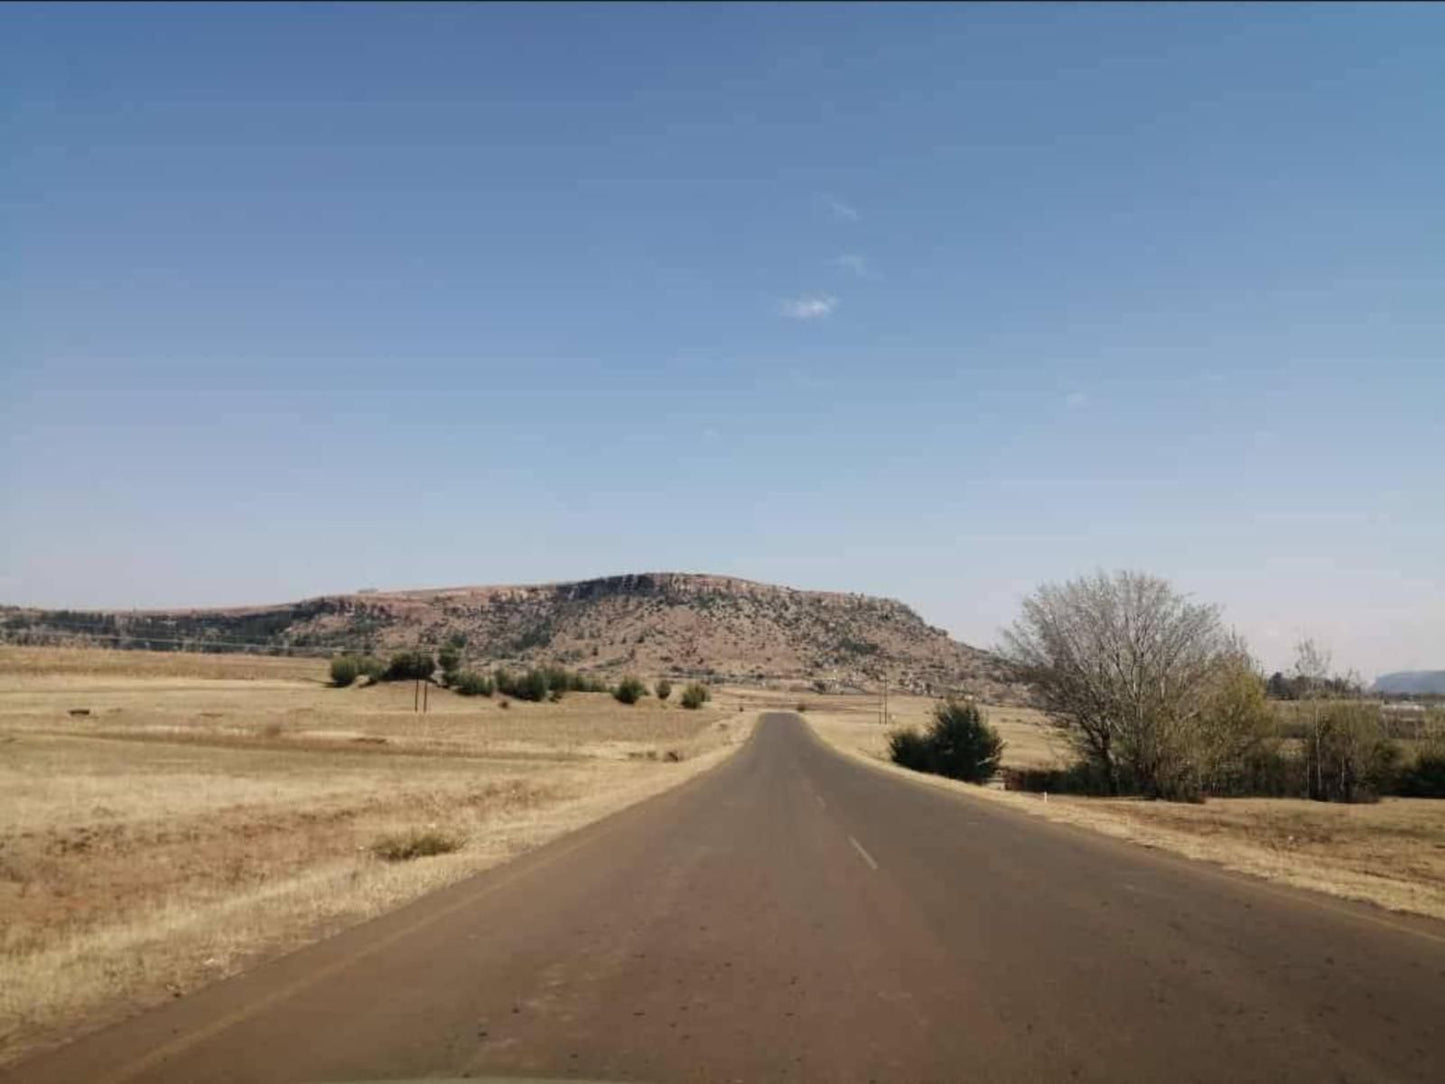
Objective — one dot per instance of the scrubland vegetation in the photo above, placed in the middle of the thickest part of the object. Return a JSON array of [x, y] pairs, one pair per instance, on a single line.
[[695, 695], [629, 690], [165, 818], [1158, 699], [1144, 695], [208, 810]]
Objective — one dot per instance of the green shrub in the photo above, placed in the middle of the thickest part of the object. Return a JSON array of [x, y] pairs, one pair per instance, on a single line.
[[528, 685], [371, 667], [964, 745], [629, 690], [546, 683], [344, 670], [559, 681], [405, 847], [471, 683], [910, 749], [534, 686], [663, 689], [1347, 755], [959, 744], [449, 658], [1083, 777], [410, 666], [695, 695], [801, 706], [1425, 778]]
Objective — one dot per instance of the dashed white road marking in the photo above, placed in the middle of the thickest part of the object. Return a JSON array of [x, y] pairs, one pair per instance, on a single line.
[[821, 803], [866, 856]]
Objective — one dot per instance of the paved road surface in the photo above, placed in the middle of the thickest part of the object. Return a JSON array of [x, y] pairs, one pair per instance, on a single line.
[[795, 915]]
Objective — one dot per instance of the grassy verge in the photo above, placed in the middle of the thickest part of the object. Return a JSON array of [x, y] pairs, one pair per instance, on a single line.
[[1391, 854], [208, 812]]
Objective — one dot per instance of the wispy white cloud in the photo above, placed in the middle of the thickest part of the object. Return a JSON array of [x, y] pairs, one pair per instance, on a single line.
[[841, 211], [1076, 400], [851, 261], [810, 307]]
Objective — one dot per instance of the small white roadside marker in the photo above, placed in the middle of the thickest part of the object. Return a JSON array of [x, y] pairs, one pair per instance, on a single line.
[[866, 856]]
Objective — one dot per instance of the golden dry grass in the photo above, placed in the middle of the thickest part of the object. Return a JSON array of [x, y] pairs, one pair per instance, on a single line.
[[1029, 741], [51, 661], [1391, 854], [213, 810]]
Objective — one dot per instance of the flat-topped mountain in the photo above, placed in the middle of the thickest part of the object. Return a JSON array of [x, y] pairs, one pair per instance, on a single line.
[[651, 623], [1411, 683]]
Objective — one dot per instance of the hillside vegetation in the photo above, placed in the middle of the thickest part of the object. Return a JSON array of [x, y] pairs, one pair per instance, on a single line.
[[716, 627]]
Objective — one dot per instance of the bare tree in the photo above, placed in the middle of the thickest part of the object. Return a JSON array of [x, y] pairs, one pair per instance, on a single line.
[[1123, 663], [1311, 670], [1312, 665]]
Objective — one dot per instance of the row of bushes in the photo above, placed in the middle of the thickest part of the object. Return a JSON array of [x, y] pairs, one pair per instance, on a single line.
[[471, 683], [1344, 753], [631, 689], [1269, 773], [403, 666], [552, 683], [537, 683], [346, 669], [545, 683], [1346, 757]]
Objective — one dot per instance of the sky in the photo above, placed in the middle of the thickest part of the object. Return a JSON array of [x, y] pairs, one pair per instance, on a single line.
[[938, 303]]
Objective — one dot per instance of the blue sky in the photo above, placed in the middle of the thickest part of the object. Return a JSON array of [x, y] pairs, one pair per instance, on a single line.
[[932, 302]]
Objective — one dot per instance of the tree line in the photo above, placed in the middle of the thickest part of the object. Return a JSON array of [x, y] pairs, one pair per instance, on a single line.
[[536, 683], [1158, 698]]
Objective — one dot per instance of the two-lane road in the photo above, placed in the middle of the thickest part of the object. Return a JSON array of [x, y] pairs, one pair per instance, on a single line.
[[794, 915]]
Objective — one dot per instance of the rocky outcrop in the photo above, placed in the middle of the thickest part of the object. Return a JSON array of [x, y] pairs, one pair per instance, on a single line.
[[651, 623]]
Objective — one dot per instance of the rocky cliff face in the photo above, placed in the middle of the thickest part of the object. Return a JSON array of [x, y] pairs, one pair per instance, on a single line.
[[650, 623]]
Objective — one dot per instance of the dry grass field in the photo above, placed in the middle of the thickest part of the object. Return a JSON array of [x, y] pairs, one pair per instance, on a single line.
[[166, 819], [1029, 742], [1391, 854]]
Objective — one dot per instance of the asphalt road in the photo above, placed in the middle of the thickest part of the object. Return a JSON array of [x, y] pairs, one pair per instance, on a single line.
[[795, 915]]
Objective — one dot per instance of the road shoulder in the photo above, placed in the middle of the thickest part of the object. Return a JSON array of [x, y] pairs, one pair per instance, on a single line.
[[1218, 833]]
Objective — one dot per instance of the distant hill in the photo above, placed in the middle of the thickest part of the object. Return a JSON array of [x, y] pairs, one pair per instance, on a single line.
[[653, 623], [1411, 683]]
